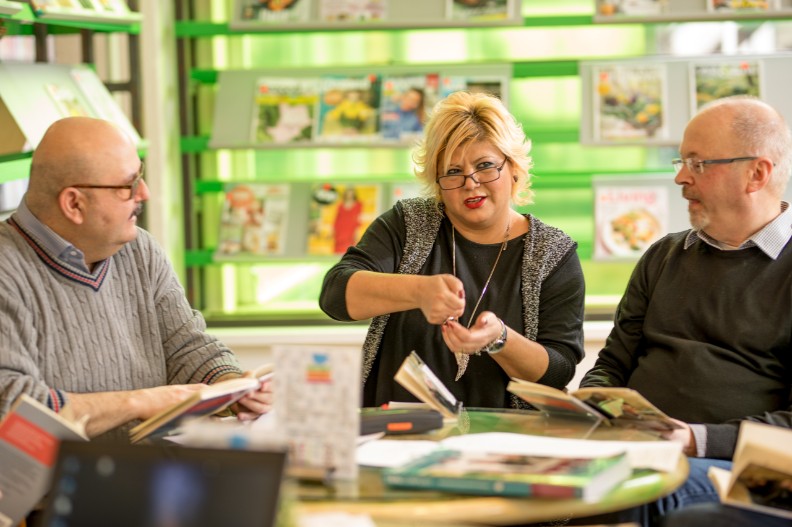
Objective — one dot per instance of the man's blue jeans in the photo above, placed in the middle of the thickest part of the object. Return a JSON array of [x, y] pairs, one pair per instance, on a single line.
[[696, 489]]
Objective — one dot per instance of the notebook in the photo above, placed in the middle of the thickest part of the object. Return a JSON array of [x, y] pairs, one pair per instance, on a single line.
[[96, 484]]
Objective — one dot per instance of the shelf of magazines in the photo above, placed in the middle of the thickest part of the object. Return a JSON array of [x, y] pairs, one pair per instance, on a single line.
[[19, 18], [668, 11]]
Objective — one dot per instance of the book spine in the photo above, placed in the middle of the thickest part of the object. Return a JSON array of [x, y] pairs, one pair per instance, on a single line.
[[484, 487]]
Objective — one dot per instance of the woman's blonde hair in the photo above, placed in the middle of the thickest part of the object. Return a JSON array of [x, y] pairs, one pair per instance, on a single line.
[[461, 119]]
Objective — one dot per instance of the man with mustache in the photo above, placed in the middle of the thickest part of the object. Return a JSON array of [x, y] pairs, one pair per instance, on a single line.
[[91, 311], [704, 329]]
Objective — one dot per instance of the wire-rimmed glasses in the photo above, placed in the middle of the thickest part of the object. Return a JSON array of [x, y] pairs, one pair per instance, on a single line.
[[697, 165]]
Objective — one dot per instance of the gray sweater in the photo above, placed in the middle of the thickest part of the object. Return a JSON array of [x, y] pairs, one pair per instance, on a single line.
[[125, 327]]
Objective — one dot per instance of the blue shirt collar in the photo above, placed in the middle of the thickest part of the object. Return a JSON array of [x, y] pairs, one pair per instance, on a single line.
[[53, 244]]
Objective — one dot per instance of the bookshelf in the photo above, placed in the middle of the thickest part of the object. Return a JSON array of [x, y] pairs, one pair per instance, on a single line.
[[544, 51]]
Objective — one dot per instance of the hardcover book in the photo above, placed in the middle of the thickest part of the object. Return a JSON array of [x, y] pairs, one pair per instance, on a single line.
[[338, 214], [629, 103], [761, 475], [501, 474], [254, 220], [209, 400], [29, 437], [622, 407], [715, 80], [349, 109], [406, 103], [479, 10], [284, 110]]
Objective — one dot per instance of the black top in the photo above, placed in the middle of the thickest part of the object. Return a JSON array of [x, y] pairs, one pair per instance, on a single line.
[[484, 382]]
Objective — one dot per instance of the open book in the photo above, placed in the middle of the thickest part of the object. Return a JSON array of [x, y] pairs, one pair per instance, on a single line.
[[419, 380], [207, 401], [623, 407], [29, 437], [761, 475]]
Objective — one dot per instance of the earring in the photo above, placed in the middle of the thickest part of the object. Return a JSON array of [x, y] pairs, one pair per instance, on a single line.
[[514, 178]]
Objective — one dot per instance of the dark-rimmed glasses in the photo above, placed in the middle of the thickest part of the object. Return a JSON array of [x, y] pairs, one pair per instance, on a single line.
[[482, 175], [697, 165], [132, 187]]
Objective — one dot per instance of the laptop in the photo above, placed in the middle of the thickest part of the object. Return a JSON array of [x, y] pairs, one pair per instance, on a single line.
[[100, 484]]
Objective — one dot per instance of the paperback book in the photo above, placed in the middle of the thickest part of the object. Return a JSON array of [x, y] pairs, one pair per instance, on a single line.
[[631, 7], [628, 220], [502, 474], [622, 407], [338, 214], [284, 109], [29, 437], [418, 379], [406, 103], [209, 400], [254, 220], [273, 11], [479, 10], [761, 475], [629, 103], [715, 80], [349, 109], [350, 11]]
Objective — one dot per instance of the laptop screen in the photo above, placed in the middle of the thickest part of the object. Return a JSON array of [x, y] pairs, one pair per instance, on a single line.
[[98, 484]]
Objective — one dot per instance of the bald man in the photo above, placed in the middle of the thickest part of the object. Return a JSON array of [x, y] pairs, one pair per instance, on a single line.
[[91, 311], [704, 329]]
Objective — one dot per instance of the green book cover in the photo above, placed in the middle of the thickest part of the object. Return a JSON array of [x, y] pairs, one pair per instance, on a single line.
[[489, 473]]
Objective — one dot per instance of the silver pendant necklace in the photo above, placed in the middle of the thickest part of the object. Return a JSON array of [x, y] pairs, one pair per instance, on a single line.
[[462, 359]]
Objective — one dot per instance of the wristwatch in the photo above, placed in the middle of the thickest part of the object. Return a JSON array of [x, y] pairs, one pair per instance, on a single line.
[[497, 345]]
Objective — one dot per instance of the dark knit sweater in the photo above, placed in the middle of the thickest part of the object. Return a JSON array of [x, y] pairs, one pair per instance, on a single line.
[[706, 335]]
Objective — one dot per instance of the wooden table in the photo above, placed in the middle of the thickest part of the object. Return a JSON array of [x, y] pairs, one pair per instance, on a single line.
[[368, 495]]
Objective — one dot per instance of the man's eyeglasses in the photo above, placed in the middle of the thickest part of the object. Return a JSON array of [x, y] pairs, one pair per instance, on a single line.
[[697, 165], [482, 175], [132, 187]]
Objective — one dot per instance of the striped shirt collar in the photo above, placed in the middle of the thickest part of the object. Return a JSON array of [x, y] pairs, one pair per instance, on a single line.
[[48, 240], [771, 239]]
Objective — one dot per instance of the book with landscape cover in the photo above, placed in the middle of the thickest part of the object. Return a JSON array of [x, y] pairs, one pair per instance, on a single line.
[[503, 474], [761, 474], [284, 110], [207, 401], [29, 437], [418, 379], [622, 407]]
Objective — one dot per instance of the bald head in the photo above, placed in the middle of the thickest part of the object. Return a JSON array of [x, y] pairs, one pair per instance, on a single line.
[[74, 150], [757, 129]]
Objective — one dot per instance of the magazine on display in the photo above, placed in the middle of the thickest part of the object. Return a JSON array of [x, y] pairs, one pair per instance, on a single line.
[[66, 101], [742, 6], [504, 474], [353, 11], [623, 407], [761, 475], [254, 220], [628, 220], [349, 109], [338, 214], [631, 7], [29, 437], [630, 103], [284, 110], [209, 400], [406, 102], [715, 80], [273, 11], [479, 10], [489, 85]]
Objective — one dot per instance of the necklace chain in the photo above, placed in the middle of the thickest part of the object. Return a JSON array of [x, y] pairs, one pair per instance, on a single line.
[[492, 271]]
